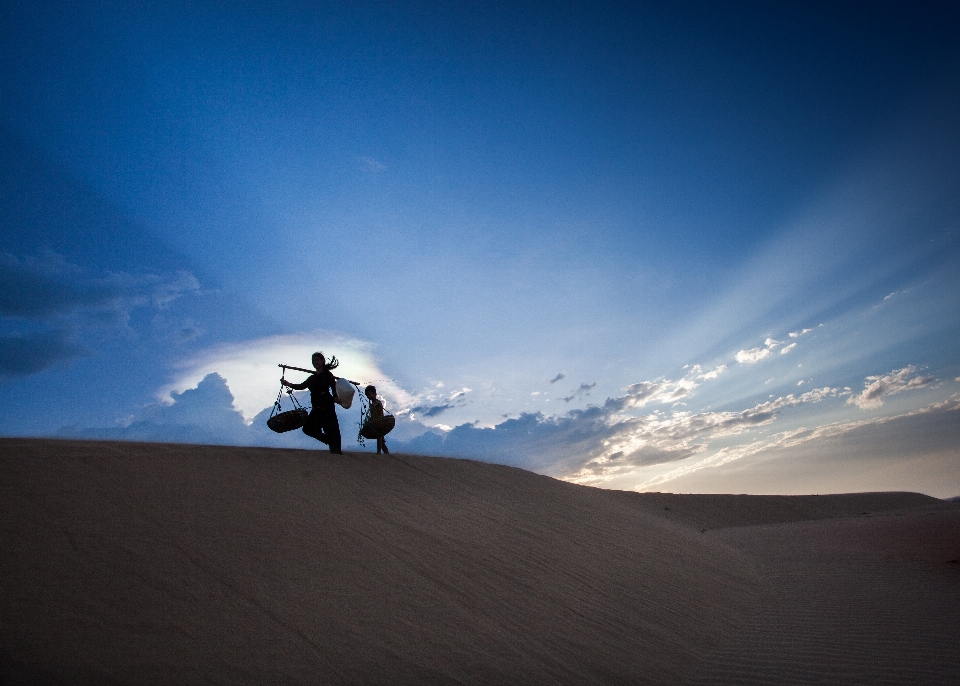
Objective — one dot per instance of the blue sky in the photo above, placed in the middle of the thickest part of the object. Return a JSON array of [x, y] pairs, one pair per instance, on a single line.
[[707, 246]]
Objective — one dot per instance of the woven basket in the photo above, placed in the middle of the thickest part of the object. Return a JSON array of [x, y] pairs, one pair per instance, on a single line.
[[378, 428], [287, 421]]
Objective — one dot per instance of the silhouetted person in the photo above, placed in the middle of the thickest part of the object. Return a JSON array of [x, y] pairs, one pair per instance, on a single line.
[[322, 422], [376, 412]]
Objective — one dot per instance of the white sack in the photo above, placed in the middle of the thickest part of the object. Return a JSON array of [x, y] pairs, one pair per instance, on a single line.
[[345, 391]]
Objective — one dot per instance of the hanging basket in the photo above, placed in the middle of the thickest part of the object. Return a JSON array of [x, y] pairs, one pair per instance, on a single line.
[[287, 421], [378, 428]]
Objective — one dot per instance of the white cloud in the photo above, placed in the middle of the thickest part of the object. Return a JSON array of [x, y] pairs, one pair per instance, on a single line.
[[253, 377], [657, 438], [712, 374], [665, 391], [793, 439], [876, 388], [372, 164], [752, 356]]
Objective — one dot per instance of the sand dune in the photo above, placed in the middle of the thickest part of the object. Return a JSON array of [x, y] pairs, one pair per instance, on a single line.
[[157, 564]]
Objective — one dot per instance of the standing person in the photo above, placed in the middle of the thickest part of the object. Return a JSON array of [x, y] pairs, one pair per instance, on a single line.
[[376, 412], [322, 422]]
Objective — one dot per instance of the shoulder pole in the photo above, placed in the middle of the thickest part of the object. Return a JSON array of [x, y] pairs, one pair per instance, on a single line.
[[312, 371]]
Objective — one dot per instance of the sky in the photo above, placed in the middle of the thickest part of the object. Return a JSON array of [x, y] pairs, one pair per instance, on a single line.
[[689, 247]]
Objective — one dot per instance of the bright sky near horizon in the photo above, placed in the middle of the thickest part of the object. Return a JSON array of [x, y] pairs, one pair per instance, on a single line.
[[665, 246]]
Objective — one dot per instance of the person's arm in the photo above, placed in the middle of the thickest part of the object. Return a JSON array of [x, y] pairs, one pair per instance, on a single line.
[[294, 386]]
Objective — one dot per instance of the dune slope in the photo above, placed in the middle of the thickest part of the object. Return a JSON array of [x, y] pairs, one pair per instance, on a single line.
[[143, 563], [148, 564]]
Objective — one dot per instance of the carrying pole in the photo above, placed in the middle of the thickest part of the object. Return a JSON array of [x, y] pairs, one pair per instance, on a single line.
[[311, 371], [299, 369]]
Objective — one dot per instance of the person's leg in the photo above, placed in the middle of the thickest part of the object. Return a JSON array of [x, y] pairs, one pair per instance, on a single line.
[[331, 430], [313, 428]]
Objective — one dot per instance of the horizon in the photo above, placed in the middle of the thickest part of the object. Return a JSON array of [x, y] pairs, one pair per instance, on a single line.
[[705, 248]]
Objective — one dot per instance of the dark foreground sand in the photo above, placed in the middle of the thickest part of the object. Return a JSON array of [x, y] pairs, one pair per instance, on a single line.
[[166, 564]]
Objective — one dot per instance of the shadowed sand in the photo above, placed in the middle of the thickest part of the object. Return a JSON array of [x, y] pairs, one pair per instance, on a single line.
[[154, 564]]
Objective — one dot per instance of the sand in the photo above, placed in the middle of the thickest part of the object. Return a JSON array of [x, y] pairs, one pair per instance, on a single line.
[[137, 563]]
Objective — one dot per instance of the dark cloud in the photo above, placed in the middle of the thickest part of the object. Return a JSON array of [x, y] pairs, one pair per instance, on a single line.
[[598, 441], [580, 392], [558, 377], [23, 355], [431, 411], [204, 414], [49, 291], [531, 441], [650, 455], [50, 287]]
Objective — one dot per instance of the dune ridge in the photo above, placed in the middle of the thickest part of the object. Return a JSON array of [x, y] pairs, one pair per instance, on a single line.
[[142, 563]]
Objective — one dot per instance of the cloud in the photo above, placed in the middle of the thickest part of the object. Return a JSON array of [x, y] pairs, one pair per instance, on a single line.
[[26, 354], [426, 409], [899, 438], [371, 164], [634, 442], [664, 391], [68, 302], [754, 355], [878, 387], [431, 411], [583, 390], [199, 415], [207, 414], [557, 378], [204, 414], [251, 372], [50, 287], [593, 444], [597, 444], [707, 376]]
